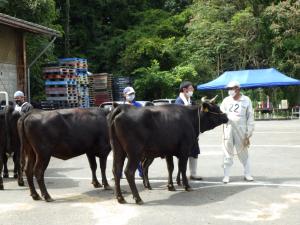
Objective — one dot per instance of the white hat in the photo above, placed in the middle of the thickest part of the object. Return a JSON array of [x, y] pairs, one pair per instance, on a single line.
[[128, 90], [18, 94], [233, 83]]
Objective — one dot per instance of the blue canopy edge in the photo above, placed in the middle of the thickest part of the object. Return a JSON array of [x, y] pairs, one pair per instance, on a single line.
[[250, 79]]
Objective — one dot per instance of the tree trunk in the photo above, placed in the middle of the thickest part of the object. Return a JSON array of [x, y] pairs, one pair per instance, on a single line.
[[67, 29]]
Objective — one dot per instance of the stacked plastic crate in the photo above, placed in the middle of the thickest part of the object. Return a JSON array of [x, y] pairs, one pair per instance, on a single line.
[[81, 70], [100, 88], [119, 83], [60, 84]]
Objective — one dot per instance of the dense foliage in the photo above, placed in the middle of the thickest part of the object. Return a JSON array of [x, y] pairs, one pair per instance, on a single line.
[[162, 42]]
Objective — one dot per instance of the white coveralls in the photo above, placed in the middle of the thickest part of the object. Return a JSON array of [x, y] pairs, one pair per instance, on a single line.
[[239, 127]]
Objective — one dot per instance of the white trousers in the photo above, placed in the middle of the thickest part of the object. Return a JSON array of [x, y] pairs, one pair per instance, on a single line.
[[234, 145]]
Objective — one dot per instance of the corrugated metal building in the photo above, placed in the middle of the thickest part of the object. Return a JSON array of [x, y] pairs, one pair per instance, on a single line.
[[13, 64]]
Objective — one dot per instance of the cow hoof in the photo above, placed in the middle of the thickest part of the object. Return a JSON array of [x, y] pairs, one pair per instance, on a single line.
[[21, 183], [97, 184], [149, 187], [1, 187], [107, 187], [171, 188], [15, 175], [139, 201], [179, 183], [36, 197], [49, 199], [121, 200], [188, 188], [5, 175]]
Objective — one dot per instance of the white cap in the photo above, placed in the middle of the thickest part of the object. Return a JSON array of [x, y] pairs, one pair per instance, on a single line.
[[233, 83], [18, 94], [128, 90]]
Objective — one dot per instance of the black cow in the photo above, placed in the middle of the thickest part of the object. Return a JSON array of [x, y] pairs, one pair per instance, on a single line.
[[64, 134], [10, 144], [2, 144], [13, 142], [160, 131]]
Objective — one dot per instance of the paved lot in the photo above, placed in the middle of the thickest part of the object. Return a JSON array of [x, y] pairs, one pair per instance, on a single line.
[[274, 197]]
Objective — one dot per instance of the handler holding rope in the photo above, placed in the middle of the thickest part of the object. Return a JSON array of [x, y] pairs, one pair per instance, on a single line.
[[238, 130]]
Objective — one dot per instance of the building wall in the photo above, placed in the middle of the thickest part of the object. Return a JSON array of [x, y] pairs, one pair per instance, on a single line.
[[12, 70]]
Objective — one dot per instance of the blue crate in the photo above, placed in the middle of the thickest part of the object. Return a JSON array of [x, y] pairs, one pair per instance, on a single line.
[[72, 59], [62, 83], [81, 71], [56, 83]]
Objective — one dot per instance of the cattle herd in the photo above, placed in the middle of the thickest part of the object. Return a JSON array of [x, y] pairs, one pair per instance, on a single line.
[[138, 134]]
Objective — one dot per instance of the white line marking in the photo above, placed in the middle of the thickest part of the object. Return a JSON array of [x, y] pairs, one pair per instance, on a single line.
[[110, 157], [254, 183], [276, 132], [256, 146]]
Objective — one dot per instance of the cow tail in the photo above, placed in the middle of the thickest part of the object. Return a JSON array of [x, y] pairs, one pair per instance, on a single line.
[[23, 140], [113, 115], [115, 143], [7, 114]]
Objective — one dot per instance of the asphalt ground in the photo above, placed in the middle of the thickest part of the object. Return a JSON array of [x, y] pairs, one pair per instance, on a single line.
[[273, 198]]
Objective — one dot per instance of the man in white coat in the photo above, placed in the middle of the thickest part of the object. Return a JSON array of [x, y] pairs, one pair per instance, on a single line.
[[238, 130]]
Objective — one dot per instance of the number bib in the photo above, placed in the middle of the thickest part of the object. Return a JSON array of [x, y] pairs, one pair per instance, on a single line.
[[237, 108]]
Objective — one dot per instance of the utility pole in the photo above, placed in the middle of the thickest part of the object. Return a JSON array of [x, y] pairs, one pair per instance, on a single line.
[[67, 29]]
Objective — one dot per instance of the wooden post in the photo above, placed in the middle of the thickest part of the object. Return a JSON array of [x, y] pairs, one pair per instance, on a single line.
[[21, 62]]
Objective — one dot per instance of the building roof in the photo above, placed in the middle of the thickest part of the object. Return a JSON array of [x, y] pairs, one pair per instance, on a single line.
[[27, 26]]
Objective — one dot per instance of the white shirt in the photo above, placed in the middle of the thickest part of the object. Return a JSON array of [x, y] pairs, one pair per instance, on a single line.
[[19, 108], [240, 112]]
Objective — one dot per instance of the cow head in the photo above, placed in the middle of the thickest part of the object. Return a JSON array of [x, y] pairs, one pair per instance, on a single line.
[[211, 115]]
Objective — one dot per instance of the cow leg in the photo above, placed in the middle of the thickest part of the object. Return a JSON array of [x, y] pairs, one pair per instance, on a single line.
[[5, 169], [1, 167], [131, 167], [182, 168], [170, 165], [39, 171], [16, 165], [18, 171], [29, 175], [118, 163], [103, 161], [93, 166], [145, 165], [178, 180]]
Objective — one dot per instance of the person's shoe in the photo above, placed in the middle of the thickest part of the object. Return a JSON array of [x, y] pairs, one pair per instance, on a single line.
[[195, 178], [226, 180], [248, 178]]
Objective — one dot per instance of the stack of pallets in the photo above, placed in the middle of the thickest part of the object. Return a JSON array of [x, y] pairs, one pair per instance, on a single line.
[[60, 84], [119, 83], [81, 70], [100, 88]]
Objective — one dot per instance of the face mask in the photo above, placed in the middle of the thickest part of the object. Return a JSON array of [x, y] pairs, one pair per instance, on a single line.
[[231, 93], [19, 102], [190, 94], [130, 98]]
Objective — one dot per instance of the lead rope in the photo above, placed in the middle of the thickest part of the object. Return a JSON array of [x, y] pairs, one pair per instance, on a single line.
[[199, 120], [241, 138]]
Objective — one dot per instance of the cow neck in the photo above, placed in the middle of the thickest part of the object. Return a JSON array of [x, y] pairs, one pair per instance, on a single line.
[[197, 119]]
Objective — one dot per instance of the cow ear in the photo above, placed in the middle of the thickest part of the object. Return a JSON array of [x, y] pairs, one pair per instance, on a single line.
[[205, 107], [115, 104]]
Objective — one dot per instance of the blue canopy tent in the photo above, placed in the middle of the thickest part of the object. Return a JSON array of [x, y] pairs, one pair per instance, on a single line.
[[250, 79]]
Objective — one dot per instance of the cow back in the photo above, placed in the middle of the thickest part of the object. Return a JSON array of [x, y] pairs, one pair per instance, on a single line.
[[67, 133], [162, 130]]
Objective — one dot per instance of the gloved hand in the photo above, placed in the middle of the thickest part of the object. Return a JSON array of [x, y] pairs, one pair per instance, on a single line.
[[246, 142]]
